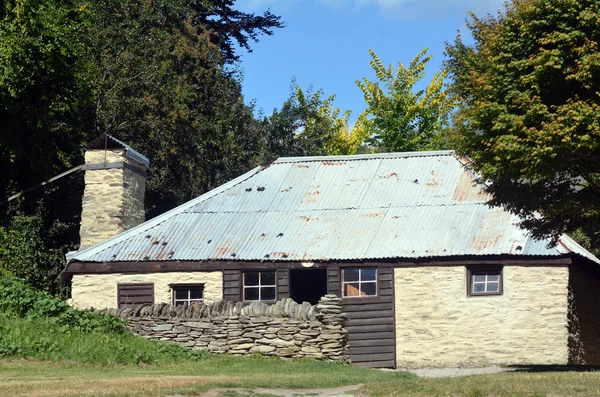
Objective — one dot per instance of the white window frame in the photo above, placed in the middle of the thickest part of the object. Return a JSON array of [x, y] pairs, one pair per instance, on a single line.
[[485, 271], [259, 286], [360, 282], [189, 300]]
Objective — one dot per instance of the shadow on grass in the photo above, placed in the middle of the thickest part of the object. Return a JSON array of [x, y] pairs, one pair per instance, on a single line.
[[554, 368]]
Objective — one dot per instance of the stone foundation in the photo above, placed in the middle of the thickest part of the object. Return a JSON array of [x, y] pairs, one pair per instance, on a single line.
[[285, 329]]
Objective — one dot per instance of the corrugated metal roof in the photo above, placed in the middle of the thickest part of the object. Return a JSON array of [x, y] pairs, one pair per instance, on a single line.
[[399, 205]]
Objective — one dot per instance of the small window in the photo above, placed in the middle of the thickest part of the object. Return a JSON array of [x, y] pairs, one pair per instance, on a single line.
[[484, 281], [259, 286], [130, 295], [187, 294], [357, 282]]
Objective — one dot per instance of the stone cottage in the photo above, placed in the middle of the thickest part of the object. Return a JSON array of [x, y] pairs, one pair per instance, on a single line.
[[428, 274]]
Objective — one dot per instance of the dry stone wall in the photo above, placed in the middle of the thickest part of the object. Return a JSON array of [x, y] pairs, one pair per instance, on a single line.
[[285, 329]]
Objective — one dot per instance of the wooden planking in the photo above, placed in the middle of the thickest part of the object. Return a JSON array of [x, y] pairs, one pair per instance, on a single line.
[[283, 283], [370, 328], [368, 336], [371, 333], [367, 321], [129, 295], [356, 316], [358, 351], [371, 357], [232, 285], [362, 306], [376, 364], [372, 343], [333, 280]]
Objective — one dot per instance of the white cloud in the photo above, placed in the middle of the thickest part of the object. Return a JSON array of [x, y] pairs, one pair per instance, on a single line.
[[477, 6]]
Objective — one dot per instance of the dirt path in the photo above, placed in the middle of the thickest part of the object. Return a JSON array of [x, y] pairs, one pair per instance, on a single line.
[[345, 391]]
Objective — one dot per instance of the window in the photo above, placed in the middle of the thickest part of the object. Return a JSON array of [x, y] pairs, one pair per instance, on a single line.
[[187, 294], [357, 282], [259, 286], [130, 295], [484, 281]]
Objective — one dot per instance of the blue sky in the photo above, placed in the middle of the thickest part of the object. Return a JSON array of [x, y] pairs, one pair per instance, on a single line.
[[326, 43]]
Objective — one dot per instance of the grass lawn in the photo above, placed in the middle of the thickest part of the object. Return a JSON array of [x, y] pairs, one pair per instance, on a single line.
[[36, 378]]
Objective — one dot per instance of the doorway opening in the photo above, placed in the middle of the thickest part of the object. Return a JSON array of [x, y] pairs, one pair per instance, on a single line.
[[308, 285]]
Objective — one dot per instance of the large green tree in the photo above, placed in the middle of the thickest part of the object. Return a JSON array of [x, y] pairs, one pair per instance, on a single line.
[[165, 90], [157, 74], [529, 114]]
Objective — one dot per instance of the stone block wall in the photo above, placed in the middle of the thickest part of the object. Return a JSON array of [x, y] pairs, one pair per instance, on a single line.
[[113, 199], [285, 329], [100, 290], [438, 325]]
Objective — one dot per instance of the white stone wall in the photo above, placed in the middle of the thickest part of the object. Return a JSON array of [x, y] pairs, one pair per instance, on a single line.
[[100, 290], [438, 325], [113, 199]]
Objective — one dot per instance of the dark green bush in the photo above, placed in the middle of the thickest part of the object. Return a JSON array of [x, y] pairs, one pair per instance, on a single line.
[[23, 301]]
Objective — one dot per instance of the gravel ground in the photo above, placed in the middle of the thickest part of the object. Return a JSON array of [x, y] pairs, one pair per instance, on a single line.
[[346, 391], [455, 372]]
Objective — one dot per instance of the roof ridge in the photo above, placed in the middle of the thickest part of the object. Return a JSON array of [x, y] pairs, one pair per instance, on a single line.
[[338, 209], [369, 156]]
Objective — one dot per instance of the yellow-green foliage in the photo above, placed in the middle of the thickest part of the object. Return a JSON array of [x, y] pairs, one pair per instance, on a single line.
[[341, 139], [398, 118]]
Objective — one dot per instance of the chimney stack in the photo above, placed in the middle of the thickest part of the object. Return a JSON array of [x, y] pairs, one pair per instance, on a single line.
[[115, 184]]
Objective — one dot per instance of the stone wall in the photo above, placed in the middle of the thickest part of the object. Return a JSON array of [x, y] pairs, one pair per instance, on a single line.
[[285, 329], [438, 325], [100, 290], [113, 199], [584, 313]]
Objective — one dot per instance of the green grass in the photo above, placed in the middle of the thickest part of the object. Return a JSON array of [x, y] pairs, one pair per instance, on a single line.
[[44, 340], [35, 378]]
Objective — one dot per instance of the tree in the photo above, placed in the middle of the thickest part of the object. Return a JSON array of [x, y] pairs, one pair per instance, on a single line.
[[45, 97], [397, 117], [164, 90], [309, 124], [529, 114], [152, 73]]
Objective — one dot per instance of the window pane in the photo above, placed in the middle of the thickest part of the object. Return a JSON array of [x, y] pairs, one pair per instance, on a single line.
[[368, 274], [368, 289], [251, 278], [181, 293], [479, 287], [479, 278], [351, 274], [251, 294], [196, 293], [493, 277], [267, 293], [179, 303], [351, 290], [267, 278], [493, 287]]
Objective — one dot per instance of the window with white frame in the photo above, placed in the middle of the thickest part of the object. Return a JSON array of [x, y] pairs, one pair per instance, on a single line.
[[187, 294], [359, 281], [484, 281], [259, 286]]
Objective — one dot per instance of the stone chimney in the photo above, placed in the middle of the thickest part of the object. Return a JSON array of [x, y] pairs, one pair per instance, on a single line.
[[115, 184]]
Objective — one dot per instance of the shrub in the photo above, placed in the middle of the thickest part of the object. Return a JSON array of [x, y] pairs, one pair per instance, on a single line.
[[23, 301]]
